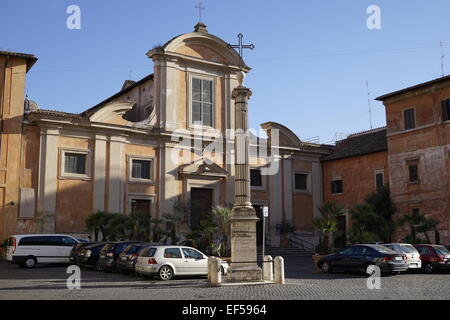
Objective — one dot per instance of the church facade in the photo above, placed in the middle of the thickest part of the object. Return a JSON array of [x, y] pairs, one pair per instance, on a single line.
[[165, 138], [169, 137]]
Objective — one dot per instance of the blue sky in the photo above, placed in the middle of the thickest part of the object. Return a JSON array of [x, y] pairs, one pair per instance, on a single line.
[[309, 68]]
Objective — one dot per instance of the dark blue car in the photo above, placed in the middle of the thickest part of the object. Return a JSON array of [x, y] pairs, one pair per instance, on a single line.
[[110, 254], [362, 257], [89, 254]]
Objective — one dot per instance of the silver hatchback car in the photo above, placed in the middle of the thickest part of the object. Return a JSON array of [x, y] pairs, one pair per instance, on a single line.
[[411, 253], [171, 260]]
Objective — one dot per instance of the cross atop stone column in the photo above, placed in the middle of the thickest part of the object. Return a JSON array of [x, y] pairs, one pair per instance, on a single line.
[[243, 219]]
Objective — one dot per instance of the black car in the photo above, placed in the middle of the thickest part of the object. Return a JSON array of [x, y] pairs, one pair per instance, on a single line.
[[110, 253], [128, 257], [75, 256], [89, 254], [360, 257]]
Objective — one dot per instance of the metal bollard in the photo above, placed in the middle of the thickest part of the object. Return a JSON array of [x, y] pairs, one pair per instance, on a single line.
[[268, 268], [216, 273], [279, 270]]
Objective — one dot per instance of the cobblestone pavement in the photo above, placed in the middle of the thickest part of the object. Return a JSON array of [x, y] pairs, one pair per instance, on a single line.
[[302, 282]]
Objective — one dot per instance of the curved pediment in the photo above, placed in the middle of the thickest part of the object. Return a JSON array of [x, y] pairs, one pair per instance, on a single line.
[[201, 45], [112, 113], [286, 137]]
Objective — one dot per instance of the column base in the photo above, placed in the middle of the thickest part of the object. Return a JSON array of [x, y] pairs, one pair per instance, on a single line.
[[246, 273]]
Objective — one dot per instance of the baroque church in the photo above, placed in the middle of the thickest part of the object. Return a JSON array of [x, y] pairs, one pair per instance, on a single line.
[[169, 137], [124, 154]]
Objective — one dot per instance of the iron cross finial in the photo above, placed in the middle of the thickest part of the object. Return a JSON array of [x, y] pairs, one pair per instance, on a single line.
[[241, 46], [200, 8]]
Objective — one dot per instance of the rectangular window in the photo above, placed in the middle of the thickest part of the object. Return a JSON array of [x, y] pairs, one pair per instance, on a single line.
[[202, 102], [140, 206], [337, 186], [140, 169], [255, 178], [379, 180], [413, 170], [446, 110], [301, 181], [75, 163], [409, 118]]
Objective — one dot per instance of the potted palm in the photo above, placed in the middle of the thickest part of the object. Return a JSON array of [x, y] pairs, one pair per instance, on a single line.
[[286, 229], [326, 226]]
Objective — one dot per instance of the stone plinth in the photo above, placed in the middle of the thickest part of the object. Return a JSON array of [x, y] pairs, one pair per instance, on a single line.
[[243, 246]]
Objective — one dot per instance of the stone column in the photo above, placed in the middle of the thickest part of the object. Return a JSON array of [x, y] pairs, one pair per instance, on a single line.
[[243, 220]]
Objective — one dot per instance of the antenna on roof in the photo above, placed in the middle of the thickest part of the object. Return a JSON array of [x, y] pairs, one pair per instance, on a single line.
[[370, 105], [442, 60]]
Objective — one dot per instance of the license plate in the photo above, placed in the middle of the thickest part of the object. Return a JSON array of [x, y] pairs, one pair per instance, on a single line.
[[123, 258], [398, 258]]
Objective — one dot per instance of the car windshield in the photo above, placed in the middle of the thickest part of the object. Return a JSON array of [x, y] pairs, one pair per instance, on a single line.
[[407, 248], [107, 247], [441, 250], [383, 249], [132, 248], [148, 252]]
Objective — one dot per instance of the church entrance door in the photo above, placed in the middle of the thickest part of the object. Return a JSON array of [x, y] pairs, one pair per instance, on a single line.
[[201, 204]]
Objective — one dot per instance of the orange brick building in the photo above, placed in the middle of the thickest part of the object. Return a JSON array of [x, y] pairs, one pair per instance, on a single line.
[[411, 155], [418, 135]]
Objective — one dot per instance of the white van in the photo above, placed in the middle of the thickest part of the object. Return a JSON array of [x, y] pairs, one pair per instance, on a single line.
[[27, 250]]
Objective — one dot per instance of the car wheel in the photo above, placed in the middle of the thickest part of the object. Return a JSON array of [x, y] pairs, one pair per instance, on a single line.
[[30, 262], [165, 273], [370, 269], [429, 268], [326, 267]]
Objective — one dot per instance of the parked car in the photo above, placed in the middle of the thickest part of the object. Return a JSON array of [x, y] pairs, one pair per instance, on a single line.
[[434, 257], [89, 254], [360, 257], [27, 250], [110, 253], [75, 253], [411, 253], [169, 261], [448, 247], [128, 257]]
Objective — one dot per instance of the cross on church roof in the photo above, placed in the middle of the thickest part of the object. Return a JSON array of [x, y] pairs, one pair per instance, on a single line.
[[200, 8], [241, 46]]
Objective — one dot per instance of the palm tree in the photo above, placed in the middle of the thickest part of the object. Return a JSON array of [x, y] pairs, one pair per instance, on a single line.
[[418, 223], [327, 225], [221, 216]]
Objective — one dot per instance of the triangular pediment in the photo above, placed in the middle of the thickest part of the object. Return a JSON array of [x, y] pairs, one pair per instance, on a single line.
[[204, 167]]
